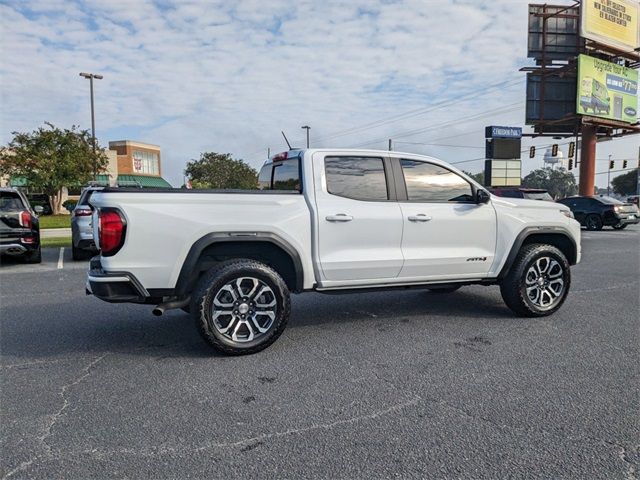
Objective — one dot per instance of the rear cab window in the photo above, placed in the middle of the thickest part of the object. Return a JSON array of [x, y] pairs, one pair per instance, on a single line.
[[280, 175]]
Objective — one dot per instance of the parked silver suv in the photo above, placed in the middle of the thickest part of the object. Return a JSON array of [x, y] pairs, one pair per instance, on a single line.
[[82, 244]]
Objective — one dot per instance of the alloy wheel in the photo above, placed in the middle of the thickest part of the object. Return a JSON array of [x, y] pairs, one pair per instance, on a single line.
[[244, 309], [544, 282]]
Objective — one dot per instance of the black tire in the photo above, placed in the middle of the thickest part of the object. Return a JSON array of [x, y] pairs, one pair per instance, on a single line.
[[33, 257], [593, 222], [211, 286], [443, 289], [620, 226], [77, 253], [513, 286]]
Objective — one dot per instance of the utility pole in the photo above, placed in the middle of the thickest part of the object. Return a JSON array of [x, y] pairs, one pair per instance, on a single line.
[[307, 128], [91, 76], [587, 160], [390, 145]]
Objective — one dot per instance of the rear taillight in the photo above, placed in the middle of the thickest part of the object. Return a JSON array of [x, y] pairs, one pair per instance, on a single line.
[[111, 231], [25, 219], [82, 212]]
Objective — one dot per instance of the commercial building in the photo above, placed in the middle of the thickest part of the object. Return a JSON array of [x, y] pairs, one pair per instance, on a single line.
[[133, 164]]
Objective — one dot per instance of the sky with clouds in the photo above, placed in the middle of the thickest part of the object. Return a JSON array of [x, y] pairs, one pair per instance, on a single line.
[[228, 76]]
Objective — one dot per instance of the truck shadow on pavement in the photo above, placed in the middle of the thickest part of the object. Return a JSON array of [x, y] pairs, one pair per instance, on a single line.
[[97, 328]]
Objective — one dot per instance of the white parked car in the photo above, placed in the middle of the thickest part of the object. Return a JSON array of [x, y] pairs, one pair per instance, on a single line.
[[326, 220]]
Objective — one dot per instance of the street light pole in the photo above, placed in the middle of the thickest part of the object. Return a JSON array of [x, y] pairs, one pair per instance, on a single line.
[[307, 128], [91, 76], [609, 175]]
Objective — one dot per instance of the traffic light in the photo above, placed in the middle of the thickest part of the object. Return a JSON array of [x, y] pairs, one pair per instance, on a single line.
[[572, 149], [554, 150], [624, 164], [532, 152], [611, 164], [570, 163]]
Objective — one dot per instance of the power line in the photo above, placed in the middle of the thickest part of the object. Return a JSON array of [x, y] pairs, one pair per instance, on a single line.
[[417, 112], [438, 126], [438, 145]]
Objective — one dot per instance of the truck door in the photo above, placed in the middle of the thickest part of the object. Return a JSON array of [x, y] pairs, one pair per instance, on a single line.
[[447, 234], [359, 223]]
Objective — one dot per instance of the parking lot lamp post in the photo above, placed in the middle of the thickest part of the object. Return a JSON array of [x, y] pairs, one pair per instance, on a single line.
[[307, 128], [91, 76]]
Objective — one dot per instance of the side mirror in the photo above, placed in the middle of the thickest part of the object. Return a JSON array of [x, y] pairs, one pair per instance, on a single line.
[[482, 196], [38, 209]]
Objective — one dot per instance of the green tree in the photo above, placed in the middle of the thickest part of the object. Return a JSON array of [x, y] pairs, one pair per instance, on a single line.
[[51, 158], [626, 183], [558, 182], [220, 170], [478, 177]]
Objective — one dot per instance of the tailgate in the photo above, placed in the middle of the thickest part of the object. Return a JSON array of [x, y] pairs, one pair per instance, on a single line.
[[10, 228]]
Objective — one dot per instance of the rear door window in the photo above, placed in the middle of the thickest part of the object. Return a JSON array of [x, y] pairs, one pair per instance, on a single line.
[[358, 178]]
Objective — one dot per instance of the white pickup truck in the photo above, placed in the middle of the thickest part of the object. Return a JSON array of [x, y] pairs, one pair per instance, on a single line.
[[325, 220]]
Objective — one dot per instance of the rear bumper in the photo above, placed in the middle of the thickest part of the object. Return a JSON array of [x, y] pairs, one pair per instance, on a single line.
[[115, 287], [19, 245], [12, 249]]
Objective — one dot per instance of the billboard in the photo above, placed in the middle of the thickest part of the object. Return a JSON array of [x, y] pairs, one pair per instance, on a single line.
[[607, 90], [611, 22], [556, 36], [553, 112]]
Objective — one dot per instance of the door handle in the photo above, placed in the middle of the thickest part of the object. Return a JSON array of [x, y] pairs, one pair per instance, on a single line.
[[421, 217], [340, 217]]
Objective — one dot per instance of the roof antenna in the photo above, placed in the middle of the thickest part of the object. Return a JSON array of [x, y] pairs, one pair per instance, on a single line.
[[285, 139]]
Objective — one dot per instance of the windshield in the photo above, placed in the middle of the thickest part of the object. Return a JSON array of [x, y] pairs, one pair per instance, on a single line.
[[10, 202], [538, 196], [609, 200]]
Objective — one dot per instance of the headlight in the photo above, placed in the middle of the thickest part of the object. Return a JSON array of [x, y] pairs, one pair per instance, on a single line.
[[567, 213]]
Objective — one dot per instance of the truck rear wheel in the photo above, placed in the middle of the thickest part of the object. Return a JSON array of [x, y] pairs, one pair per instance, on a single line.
[[538, 281], [241, 306]]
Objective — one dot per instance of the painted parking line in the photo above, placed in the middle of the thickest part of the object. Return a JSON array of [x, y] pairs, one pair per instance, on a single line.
[[61, 258]]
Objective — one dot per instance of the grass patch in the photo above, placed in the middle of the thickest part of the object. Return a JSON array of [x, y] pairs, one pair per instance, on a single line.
[[55, 221], [55, 242]]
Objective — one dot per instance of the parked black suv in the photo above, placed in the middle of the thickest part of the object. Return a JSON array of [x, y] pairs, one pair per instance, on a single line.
[[596, 212], [19, 226]]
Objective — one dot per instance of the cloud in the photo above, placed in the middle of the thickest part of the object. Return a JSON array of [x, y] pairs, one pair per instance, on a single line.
[[228, 76]]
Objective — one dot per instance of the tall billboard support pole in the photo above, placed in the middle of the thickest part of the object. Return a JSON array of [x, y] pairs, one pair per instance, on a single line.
[[588, 160]]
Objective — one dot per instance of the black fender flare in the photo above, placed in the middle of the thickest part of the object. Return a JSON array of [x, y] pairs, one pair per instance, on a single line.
[[527, 232], [187, 276]]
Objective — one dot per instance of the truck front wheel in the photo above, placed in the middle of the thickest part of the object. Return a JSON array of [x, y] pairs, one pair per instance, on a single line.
[[241, 306], [538, 281]]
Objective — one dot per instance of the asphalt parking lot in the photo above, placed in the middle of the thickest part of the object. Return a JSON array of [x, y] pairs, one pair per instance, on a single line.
[[392, 384]]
